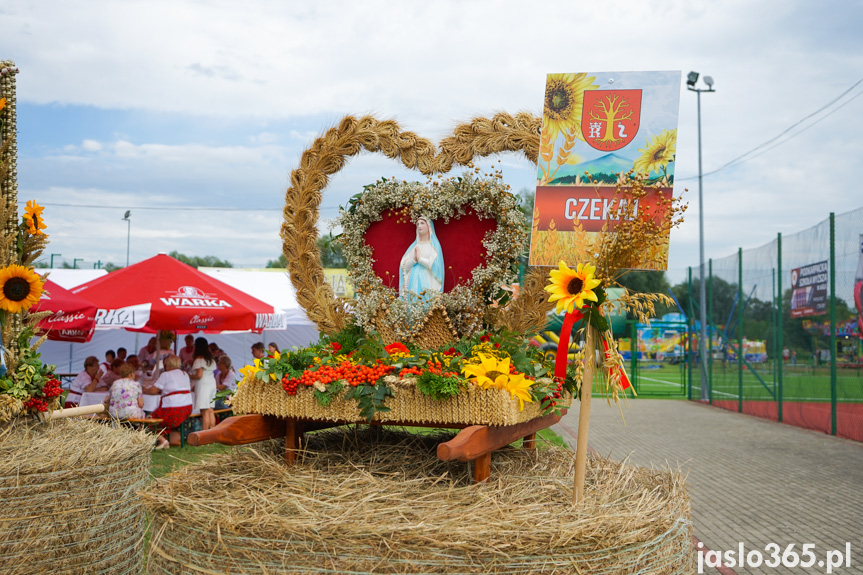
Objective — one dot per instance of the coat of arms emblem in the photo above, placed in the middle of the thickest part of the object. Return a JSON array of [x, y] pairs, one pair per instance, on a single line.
[[610, 118]]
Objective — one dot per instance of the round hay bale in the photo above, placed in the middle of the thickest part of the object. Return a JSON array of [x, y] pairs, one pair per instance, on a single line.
[[70, 504], [362, 501]]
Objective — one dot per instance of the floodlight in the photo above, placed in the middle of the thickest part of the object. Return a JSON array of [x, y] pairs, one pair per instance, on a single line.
[[692, 78], [709, 81], [127, 214]]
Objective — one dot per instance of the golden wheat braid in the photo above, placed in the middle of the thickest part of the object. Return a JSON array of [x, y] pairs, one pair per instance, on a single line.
[[329, 153]]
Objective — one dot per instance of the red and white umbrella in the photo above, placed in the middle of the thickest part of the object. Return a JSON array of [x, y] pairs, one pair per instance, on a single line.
[[73, 319], [162, 293]]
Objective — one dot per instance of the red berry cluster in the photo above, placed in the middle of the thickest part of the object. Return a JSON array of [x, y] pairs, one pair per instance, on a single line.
[[556, 394], [36, 404], [52, 388], [353, 374], [434, 367]]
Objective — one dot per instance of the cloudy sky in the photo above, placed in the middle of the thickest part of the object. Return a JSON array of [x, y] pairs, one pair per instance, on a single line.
[[167, 107]]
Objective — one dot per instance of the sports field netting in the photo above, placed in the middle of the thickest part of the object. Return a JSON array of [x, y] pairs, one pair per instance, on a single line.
[[785, 328]]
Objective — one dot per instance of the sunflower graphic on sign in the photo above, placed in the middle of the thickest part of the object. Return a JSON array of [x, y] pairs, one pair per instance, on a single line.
[[610, 118]]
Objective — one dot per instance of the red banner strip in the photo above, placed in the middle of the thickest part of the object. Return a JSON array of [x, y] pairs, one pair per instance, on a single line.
[[563, 344], [624, 380]]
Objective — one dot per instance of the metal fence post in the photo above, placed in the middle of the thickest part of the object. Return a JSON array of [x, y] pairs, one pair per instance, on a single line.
[[832, 324], [710, 332], [779, 326], [740, 330], [773, 328], [691, 327]]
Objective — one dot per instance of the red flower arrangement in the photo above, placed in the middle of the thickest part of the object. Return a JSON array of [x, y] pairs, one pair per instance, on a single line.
[[396, 347]]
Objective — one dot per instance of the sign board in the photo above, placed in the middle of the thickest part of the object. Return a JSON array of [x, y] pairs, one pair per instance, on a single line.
[[596, 127], [338, 280], [809, 290]]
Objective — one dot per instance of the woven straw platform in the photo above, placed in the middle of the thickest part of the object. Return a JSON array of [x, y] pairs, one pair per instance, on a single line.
[[474, 406], [366, 501]]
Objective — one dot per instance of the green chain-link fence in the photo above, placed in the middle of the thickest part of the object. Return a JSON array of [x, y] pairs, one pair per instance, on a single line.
[[793, 306]]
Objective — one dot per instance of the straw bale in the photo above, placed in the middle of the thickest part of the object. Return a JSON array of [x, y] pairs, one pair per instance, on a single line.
[[474, 406], [69, 492], [367, 500]]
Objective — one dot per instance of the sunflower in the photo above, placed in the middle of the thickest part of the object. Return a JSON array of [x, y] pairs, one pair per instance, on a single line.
[[33, 218], [20, 288], [564, 96], [519, 388], [569, 288], [658, 153], [250, 371], [489, 372], [2, 104]]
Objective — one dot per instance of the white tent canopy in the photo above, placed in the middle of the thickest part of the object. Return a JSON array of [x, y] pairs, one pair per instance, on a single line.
[[67, 279], [270, 286]]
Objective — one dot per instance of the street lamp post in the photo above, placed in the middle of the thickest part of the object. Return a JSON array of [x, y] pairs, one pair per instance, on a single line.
[[75, 262], [52, 259], [128, 233], [691, 79]]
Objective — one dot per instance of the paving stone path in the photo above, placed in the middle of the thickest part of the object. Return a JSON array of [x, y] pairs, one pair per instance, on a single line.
[[751, 480]]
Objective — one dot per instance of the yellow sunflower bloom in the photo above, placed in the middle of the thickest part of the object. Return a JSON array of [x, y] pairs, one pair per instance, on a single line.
[[490, 372], [2, 104], [33, 218], [564, 97], [569, 288], [658, 153], [519, 388], [261, 365], [20, 288], [249, 371]]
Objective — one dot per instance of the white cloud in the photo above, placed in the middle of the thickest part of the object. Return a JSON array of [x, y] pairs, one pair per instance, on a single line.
[[91, 145], [430, 66]]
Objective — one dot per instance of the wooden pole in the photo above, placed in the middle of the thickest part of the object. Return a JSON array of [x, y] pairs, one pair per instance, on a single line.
[[584, 414], [75, 411]]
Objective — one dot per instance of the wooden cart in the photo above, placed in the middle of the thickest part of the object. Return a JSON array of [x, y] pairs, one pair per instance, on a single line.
[[474, 443]]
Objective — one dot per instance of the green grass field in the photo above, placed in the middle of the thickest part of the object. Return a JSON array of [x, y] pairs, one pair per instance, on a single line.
[[800, 383]]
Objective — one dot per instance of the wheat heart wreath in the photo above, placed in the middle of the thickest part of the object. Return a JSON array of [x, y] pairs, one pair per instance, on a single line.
[[329, 153]]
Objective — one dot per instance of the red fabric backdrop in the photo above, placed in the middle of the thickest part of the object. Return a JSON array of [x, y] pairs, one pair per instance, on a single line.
[[460, 240]]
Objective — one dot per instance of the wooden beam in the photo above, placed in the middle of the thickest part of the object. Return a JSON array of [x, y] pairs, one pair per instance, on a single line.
[[293, 439], [529, 441], [477, 440], [482, 468], [240, 430]]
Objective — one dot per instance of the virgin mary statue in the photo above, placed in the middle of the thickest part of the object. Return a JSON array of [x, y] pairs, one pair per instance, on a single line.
[[422, 265]]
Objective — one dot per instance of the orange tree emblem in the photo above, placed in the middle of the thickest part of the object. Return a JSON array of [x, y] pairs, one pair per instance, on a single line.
[[610, 118]]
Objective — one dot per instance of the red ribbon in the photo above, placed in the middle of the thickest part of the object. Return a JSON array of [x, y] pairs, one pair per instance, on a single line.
[[563, 343], [624, 380], [562, 353]]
